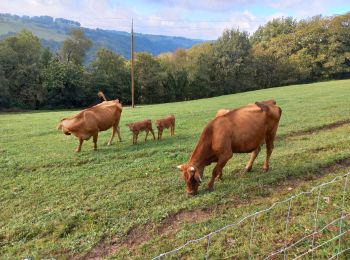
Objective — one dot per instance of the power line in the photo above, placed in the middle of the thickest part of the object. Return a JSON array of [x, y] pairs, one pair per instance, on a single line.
[[193, 27], [229, 19]]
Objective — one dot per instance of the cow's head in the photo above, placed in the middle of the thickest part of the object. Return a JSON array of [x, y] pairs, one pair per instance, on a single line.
[[157, 123], [131, 125], [192, 177]]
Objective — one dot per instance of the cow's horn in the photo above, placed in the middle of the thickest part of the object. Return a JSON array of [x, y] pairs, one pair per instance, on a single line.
[[192, 169], [198, 177], [179, 167]]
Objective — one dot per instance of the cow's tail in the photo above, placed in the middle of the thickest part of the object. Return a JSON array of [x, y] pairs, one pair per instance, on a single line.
[[101, 95]]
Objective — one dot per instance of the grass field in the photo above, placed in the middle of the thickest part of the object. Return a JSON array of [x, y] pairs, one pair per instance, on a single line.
[[43, 33], [128, 201]]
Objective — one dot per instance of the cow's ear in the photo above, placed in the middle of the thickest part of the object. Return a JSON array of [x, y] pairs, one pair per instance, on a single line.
[[179, 167], [262, 106]]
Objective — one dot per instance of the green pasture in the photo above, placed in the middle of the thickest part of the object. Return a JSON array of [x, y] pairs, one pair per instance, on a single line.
[[128, 201], [44, 33]]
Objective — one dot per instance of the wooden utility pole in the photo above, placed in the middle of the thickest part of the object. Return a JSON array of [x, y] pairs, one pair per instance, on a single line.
[[132, 64]]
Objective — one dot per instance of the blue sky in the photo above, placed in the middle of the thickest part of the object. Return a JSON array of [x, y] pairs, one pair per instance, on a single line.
[[203, 19]]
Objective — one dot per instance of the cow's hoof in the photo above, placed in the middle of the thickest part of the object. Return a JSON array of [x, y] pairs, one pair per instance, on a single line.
[[248, 169], [265, 169], [209, 189]]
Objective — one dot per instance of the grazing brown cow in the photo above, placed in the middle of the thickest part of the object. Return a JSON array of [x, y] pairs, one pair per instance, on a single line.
[[167, 122], [241, 130], [138, 127], [92, 120]]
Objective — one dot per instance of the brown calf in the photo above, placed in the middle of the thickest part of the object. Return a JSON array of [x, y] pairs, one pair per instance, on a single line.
[[138, 127], [167, 122], [241, 130], [92, 120]]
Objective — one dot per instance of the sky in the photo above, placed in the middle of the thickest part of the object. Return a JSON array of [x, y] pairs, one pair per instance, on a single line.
[[199, 19]]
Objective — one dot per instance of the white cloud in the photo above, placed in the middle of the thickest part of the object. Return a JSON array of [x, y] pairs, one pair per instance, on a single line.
[[276, 15], [301, 9], [206, 5], [174, 25]]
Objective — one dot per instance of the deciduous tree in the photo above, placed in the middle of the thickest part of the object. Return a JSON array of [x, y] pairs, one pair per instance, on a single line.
[[74, 48]]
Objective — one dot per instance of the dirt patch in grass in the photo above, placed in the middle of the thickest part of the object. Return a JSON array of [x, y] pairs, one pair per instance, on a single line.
[[290, 184], [106, 247], [110, 246], [140, 234], [341, 164], [315, 129], [172, 224]]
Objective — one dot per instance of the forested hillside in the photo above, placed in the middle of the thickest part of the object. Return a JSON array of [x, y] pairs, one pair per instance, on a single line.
[[52, 32], [284, 51]]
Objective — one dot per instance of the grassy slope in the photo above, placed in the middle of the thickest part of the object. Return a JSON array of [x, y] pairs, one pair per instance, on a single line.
[[54, 202], [43, 33]]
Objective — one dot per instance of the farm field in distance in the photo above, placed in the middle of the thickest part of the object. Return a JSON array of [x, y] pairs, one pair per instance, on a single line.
[[128, 201]]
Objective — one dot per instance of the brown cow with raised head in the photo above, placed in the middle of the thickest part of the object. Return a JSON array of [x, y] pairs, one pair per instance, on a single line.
[[163, 123], [138, 127], [241, 130], [92, 120]]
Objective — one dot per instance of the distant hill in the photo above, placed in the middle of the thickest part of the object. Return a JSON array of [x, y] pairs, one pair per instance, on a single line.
[[52, 33]]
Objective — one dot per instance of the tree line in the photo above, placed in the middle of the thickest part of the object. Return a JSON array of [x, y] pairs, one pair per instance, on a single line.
[[284, 51]]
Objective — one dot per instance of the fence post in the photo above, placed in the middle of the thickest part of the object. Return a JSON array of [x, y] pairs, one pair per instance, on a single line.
[[342, 214], [207, 252], [286, 233], [315, 223], [251, 237]]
